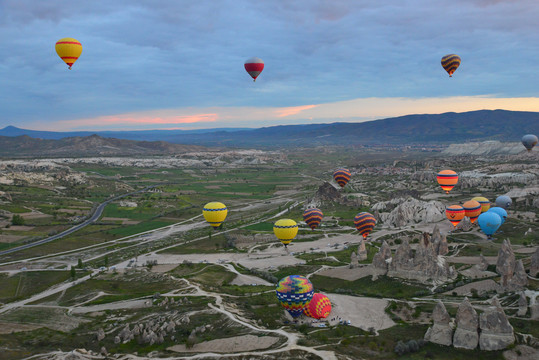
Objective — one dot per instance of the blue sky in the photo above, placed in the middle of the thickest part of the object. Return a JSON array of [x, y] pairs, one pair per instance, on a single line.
[[179, 64]]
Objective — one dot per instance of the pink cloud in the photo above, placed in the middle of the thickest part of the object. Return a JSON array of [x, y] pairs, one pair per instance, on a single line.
[[134, 119], [293, 110]]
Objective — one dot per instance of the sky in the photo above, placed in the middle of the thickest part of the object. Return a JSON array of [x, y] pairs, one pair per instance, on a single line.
[[178, 64]]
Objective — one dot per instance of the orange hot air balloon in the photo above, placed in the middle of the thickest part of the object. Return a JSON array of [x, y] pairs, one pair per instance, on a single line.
[[455, 213], [472, 210], [69, 50], [450, 63], [447, 180]]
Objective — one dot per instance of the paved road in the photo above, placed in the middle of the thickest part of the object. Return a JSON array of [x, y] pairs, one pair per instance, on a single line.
[[97, 213]]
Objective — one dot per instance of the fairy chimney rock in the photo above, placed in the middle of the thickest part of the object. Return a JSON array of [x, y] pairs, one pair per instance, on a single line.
[[440, 332], [466, 335], [496, 331]]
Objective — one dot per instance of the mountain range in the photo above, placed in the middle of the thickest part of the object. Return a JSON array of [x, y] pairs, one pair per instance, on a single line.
[[443, 128]]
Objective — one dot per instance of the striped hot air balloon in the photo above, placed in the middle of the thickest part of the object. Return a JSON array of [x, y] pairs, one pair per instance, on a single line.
[[450, 63], [455, 213], [472, 210], [285, 230], [485, 203], [294, 293], [447, 180], [364, 223], [319, 307], [215, 213], [254, 67], [342, 176], [313, 217], [69, 50]]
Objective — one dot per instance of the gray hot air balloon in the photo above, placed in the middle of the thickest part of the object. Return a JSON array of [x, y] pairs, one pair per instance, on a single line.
[[504, 201], [529, 141]]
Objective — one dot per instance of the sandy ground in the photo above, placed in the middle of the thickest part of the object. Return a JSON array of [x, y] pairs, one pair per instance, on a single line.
[[8, 328], [35, 215], [21, 228], [346, 273], [242, 279], [228, 345], [472, 260], [163, 268], [475, 273], [128, 304], [526, 250], [10, 238], [480, 286], [363, 312]]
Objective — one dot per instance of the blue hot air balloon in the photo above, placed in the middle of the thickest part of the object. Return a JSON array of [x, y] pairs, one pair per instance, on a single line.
[[500, 211], [489, 222], [503, 201]]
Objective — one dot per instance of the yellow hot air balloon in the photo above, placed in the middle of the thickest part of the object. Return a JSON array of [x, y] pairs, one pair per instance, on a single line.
[[485, 203], [285, 230], [215, 213], [69, 50]]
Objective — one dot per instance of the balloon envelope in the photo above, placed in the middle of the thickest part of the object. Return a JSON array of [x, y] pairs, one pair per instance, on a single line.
[[364, 223], [285, 230], [489, 222], [450, 63], [529, 141], [500, 211], [319, 307], [472, 209], [455, 213], [69, 50], [294, 292], [503, 201], [215, 213], [483, 201], [313, 217], [342, 176], [447, 180], [254, 67]]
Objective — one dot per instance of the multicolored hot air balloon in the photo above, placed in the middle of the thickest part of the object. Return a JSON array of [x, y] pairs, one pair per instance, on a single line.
[[254, 67], [319, 307], [215, 213], [529, 141], [447, 180], [313, 217], [500, 211], [489, 222], [504, 201], [450, 63], [285, 230], [342, 176], [69, 50], [472, 209], [485, 204], [364, 223], [294, 292], [455, 213]]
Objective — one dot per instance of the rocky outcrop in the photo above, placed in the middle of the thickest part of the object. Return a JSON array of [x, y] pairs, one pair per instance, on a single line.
[[465, 224], [354, 263], [519, 279], [362, 251], [441, 246], [513, 275], [466, 335], [382, 258], [491, 147], [410, 211], [483, 263], [440, 332], [496, 331], [100, 334], [329, 193], [534, 266], [522, 305]]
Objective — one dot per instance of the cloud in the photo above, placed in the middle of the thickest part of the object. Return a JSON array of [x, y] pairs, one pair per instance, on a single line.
[[289, 111]]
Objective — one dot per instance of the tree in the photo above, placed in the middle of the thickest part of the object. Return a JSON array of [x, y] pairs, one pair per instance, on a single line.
[[80, 265], [17, 220], [106, 261], [73, 272]]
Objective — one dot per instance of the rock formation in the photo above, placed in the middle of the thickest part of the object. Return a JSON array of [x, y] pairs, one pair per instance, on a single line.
[[513, 275], [522, 305], [465, 224], [519, 279], [410, 211], [496, 331], [483, 264], [441, 246], [354, 263], [382, 257], [466, 335], [329, 193], [534, 266], [440, 332], [362, 251]]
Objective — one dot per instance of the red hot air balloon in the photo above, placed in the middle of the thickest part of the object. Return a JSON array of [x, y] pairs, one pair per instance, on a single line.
[[364, 223], [447, 180], [342, 176], [319, 307], [313, 217], [455, 213], [254, 67], [472, 210]]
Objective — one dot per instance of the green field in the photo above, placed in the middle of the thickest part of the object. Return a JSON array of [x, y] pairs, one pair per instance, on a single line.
[[27, 283]]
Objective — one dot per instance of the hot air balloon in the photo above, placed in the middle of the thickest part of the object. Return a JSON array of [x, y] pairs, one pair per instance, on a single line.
[[285, 230], [529, 141], [485, 204], [450, 63], [447, 180], [313, 217], [319, 307], [489, 222], [472, 209], [504, 201], [364, 223], [294, 292], [215, 213], [500, 211], [455, 213], [254, 67], [69, 50], [342, 176]]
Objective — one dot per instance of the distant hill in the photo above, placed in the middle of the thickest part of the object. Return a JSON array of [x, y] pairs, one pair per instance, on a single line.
[[94, 145], [444, 128]]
